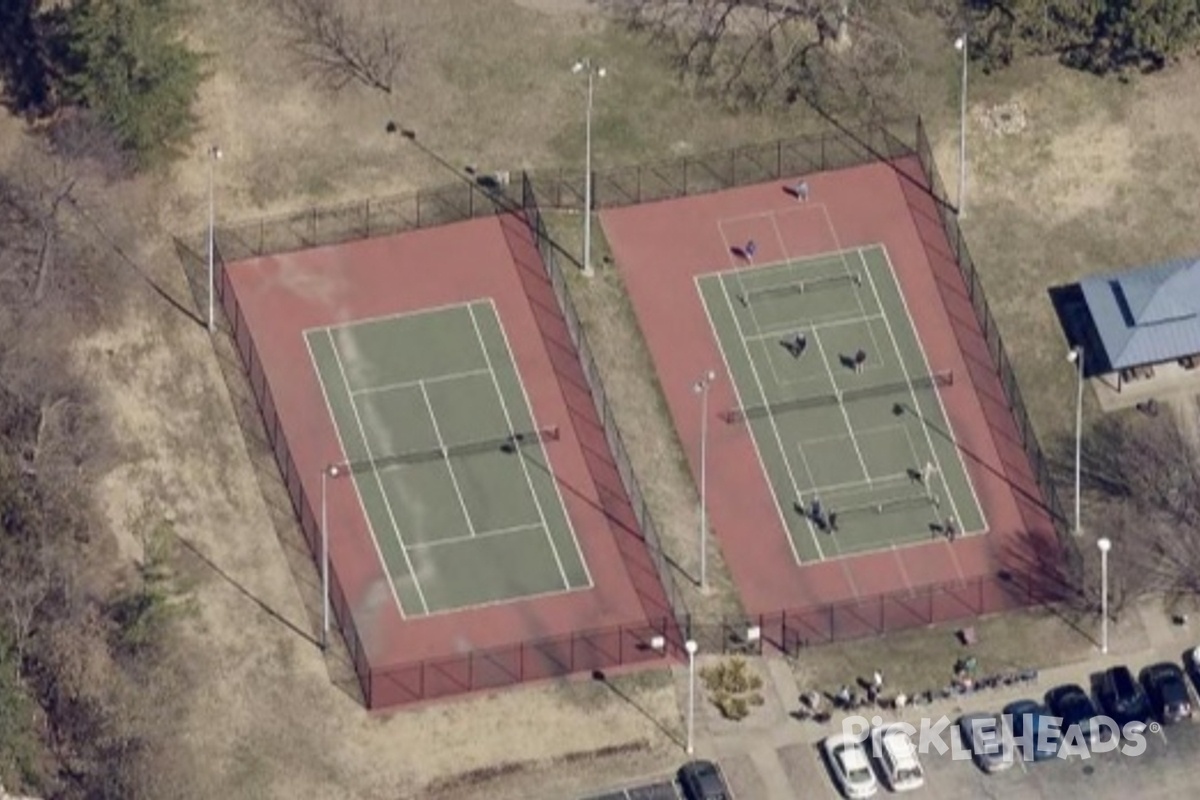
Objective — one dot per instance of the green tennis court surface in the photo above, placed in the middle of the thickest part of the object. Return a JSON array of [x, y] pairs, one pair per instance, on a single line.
[[448, 461], [869, 442]]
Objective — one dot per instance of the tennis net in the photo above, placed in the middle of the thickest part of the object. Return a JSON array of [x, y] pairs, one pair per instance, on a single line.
[[510, 444], [883, 506], [943, 378], [748, 296]]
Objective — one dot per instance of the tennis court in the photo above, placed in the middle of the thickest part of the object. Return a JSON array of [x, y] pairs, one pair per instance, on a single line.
[[453, 472], [844, 411]]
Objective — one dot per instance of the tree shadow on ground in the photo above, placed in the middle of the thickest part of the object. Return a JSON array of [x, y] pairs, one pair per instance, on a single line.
[[25, 70]]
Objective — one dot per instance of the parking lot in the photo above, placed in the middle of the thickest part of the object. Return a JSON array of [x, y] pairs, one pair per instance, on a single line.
[[1168, 767]]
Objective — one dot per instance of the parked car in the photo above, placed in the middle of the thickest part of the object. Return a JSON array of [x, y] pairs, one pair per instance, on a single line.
[[991, 746], [1166, 687], [1033, 729], [702, 780], [1073, 706], [898, 760], [850, 766], [1123, 698]]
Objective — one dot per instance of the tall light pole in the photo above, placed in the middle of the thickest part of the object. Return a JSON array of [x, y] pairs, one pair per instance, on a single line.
[[1076, 358], [592, 73], [214, 155], [701, 388], [962, 45], [1105, 545], [691, 647], [331, 471]]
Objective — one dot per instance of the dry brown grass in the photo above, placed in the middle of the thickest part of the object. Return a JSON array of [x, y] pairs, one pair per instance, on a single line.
[[642, 416], [1096, 182], [1102, 178]]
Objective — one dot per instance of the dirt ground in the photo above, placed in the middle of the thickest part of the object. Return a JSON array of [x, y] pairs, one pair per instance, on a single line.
[[1103, 175]]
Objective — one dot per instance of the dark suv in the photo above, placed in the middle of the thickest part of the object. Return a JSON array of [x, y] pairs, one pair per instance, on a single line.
[[1122, 697], [1167, 688], [702, 780]]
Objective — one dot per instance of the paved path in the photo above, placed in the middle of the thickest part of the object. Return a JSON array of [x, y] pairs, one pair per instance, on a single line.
[[772, 755]]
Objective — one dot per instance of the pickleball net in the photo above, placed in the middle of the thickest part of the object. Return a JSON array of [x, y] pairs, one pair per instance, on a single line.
[[510, 444], [879, 507], [943, 378], [748, 296]]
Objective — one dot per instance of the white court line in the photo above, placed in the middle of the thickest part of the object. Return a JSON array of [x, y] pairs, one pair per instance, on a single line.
[[846, 265], [842, 407], [768, 265], [437, 431], [345, 459], [512, 359], [449, 376], [820, 326], [480, 535], [520, 453], [386, 317], [787, 462], [787, 531], [861, 432], [898, 478], [812, 479], [912, 390], [378, 480], [938, 394]]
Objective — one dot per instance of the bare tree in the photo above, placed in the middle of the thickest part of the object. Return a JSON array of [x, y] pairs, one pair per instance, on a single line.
[[340, 42], [1142, 492], [750, 52]]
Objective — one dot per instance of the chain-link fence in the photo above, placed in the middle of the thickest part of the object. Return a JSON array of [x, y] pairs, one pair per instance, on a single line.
[[948, 215], [785, 631], [720, 169]]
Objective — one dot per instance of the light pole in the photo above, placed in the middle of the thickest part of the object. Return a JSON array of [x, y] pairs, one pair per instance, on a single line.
[[701, 388], [214, 155], [592, 74], [1105, 545], [331, 471], [1076, 358], [691, 647], [961, 45]]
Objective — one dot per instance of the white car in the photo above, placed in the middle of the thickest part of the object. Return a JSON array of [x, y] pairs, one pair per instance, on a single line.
[[848, 761], [897, 758]]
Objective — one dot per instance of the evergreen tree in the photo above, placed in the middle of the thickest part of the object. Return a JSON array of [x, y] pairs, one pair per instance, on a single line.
[[125, 60]]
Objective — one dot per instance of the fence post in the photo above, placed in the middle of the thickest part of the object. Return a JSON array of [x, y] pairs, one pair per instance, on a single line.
[[368, 218], [824, 136], [471, 200], [778, 158]]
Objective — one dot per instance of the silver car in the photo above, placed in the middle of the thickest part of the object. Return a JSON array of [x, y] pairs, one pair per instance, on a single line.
[[991, 744]]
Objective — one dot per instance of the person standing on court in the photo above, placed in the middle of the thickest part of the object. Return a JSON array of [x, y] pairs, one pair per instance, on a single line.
[[860, 360], [750, 249]]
